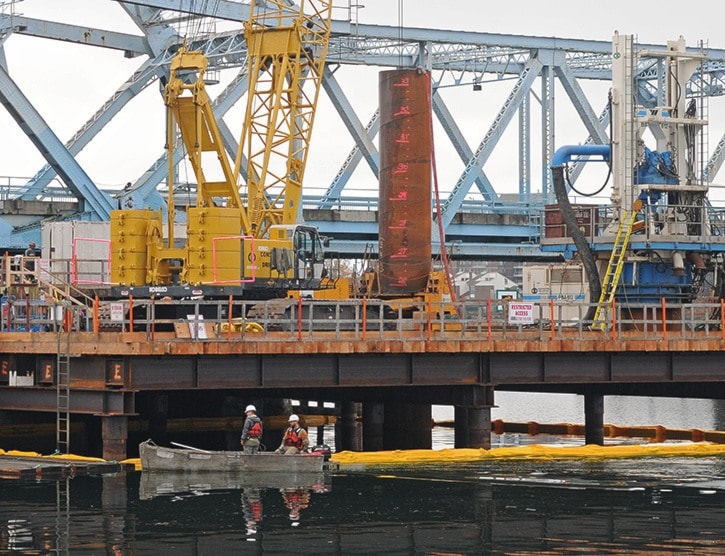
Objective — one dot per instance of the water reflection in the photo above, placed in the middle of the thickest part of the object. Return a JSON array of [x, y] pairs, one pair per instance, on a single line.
[[674, 505], [153, 484], [295, 500], [18, 535], [252, 509]]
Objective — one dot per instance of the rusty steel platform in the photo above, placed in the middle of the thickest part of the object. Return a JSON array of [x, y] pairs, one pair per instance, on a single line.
[[109, 368]]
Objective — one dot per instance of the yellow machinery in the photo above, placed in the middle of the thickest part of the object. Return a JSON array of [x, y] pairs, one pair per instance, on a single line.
[[258, 250]]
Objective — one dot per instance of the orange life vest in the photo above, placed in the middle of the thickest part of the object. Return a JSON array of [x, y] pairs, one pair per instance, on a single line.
[[255, 431], [293, 438], [256, 508]]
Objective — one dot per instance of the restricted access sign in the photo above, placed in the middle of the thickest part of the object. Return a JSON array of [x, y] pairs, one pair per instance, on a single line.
[[521, 313], [117, 312]]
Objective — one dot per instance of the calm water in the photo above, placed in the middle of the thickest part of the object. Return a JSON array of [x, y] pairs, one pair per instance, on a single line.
[[673, 505]]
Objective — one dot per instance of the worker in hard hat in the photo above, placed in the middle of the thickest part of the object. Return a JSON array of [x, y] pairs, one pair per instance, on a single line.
[[29, 256], [295, 438], [252, 431]]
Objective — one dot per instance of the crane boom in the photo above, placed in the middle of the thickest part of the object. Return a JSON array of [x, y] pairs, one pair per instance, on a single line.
[[287, 46], [199, 132]]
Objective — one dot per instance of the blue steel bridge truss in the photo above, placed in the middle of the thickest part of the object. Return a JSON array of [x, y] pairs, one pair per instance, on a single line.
[[478, 219]]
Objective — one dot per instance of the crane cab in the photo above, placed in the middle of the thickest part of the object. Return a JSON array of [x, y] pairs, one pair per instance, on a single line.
[[297, 252]]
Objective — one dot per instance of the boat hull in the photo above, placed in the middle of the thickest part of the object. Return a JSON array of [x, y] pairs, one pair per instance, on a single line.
[[158, 458]]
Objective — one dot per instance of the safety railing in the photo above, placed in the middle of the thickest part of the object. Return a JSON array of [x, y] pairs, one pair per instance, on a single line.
[[653, 223], [292, 320], [34, 315], [19, 270]]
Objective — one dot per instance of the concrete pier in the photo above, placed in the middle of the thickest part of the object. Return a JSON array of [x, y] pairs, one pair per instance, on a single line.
[[397, 374]]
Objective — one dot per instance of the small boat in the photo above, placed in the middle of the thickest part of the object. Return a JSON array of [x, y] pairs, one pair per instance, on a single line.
[[187, 459]]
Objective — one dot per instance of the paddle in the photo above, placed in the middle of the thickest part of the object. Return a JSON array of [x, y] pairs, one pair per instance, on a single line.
[[190, 448]]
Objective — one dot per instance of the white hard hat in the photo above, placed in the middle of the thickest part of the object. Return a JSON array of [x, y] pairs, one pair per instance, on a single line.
[[250, 408], [293, 417]]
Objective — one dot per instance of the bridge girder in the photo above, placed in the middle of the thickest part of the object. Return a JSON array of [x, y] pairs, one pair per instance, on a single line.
[[455, 58]]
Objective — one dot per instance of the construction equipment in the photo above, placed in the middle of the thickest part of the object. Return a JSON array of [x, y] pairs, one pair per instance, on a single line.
[[253, 246], [257, 250], [659, 239]]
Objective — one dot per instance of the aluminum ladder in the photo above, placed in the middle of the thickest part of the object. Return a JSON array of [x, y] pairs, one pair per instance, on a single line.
[[615, 265]]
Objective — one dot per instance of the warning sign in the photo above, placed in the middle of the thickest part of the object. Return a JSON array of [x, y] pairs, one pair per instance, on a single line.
[[521, 313], [117, 312]]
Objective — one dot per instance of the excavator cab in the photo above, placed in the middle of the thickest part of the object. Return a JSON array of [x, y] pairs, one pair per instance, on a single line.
[[309, 253], [306, 261]]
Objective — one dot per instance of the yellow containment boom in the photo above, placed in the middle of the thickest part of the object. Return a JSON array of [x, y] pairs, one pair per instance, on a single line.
[[534, 452]]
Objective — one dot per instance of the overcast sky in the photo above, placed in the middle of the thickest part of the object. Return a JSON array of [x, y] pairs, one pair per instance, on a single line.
[[67, 83]]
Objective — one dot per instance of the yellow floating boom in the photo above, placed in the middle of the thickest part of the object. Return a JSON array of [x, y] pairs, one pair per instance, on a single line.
[[533, 452]]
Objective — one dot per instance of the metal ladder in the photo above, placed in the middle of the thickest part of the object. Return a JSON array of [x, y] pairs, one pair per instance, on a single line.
[[62, 380], [615, 265], [62, 516]]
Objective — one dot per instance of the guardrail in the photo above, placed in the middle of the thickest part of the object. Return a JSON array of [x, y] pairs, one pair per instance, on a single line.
[[364, 319]]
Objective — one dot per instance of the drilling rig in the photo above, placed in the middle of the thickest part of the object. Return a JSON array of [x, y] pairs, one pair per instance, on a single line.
[[658, 240], [244, 240]]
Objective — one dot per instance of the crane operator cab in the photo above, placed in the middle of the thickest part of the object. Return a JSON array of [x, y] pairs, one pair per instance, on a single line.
[[307, 257]]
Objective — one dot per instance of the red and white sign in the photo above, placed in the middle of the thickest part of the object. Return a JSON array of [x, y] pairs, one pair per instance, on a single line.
[[117, 312], [521, 313]]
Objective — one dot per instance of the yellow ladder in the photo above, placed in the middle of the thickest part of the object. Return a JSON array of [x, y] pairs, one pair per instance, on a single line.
[[616, 264]]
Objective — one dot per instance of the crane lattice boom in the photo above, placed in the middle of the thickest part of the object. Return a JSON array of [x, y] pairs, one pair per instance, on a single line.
[[287, 48]]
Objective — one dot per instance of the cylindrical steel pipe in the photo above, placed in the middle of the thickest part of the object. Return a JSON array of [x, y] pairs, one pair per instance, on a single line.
[[405, 181]]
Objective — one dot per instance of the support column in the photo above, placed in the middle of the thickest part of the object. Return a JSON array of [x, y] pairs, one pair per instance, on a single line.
[[460, 427], [158, 417], [349, 428], [373, 426], [472, 427], [408, 426], [473, 417], [114, 431], [594, 419]]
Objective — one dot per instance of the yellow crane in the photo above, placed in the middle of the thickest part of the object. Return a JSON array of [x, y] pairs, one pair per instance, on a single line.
[[287, 50], [260, 249]]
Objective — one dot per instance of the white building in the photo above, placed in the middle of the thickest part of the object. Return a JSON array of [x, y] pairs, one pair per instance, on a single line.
[[471, 285]]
